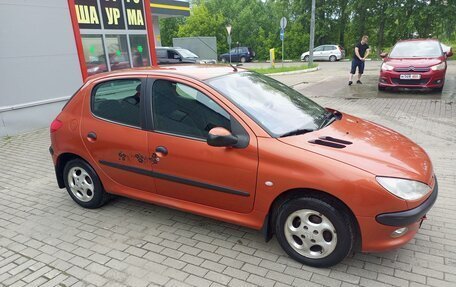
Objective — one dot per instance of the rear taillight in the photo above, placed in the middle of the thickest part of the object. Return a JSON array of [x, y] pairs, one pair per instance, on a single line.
[[55, 125]]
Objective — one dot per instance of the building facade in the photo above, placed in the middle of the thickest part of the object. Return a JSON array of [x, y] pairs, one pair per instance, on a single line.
[[49, 47]]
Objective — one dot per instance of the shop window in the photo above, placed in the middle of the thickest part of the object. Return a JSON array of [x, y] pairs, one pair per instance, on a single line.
[[139, 50], [94, 54], [118, 52]]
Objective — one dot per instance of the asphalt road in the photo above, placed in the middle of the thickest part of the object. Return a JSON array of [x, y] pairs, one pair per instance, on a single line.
[[332, 81]]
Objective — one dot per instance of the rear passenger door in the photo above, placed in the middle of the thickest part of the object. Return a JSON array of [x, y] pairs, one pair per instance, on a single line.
[[112, 131]]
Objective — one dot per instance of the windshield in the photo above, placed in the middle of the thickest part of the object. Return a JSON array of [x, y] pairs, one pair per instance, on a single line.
[[186, 53], [416, 49], [273, 105]]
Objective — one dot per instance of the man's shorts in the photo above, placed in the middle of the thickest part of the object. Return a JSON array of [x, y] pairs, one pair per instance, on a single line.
[[357, 63]]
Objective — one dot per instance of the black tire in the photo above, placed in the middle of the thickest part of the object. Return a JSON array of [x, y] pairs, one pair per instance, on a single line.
[[381, 88], [94, 198], [439, 90], [306, 58], [243, 60], [328, 209], [332, 58], [223, 60]]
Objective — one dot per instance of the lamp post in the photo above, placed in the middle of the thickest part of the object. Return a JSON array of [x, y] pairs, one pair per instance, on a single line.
[[312, 34], [228, 29]]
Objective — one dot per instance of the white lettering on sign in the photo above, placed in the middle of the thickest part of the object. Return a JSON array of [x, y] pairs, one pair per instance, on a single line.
[[113, 15], [136, 1], [135, 17], [87, 14]]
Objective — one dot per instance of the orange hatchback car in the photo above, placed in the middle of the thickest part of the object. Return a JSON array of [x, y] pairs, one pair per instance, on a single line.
[[241, 147]]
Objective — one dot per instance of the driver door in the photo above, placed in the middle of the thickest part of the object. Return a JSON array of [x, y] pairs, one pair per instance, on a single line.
[[185, 166], [318, 53]]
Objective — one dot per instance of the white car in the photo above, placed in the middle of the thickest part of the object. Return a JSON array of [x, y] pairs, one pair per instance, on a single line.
[[326, 53]]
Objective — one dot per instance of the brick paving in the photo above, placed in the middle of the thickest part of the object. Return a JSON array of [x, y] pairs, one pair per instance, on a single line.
[[48, 240]]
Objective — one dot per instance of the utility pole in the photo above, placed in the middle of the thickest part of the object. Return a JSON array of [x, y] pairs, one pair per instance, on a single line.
[[312, 34]]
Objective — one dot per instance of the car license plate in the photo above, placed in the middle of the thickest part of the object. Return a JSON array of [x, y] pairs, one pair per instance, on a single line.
[[410, 77]]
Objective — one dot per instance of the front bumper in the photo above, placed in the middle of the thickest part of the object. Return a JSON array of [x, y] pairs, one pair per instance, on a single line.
[[376, 231], [430, 79], [407, 217]]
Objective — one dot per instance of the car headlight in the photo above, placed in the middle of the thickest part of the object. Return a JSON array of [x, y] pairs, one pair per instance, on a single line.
[[386, 67], [439, 67], [404, 188]]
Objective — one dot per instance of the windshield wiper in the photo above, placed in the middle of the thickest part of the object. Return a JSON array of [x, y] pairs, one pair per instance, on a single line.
[[296, 132], [329, 118]]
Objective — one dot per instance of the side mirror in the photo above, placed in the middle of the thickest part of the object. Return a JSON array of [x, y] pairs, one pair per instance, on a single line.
[[221, 137], [177, 57], [449, 53], [383, 55]]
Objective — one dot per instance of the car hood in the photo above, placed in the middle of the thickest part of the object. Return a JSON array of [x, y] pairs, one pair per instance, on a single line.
[[368, 146], [418, 62]]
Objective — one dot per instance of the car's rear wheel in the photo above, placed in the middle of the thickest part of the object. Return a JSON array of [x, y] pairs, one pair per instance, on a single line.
[[332, 58], [83, 184], [306, 58], [314, 231], [243, 60]]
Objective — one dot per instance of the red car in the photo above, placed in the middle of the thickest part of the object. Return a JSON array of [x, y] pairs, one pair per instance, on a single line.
[[237, 146], [418, 63]]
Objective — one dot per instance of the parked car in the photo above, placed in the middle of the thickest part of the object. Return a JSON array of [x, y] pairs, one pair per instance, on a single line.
[[176, 55], [325, 53], [415, 63], [238, 54], [238, 146]]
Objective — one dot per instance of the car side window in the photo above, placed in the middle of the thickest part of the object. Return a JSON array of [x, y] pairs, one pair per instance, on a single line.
[[161, 53], [319, 48], [182, 110], [118, 101], [329, 48], [173, 55]]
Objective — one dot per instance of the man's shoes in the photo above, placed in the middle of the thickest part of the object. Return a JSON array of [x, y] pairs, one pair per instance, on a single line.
[[358, 82], [350, 83]]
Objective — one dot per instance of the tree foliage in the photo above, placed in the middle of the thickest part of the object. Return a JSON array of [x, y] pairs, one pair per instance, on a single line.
[[255, 23]]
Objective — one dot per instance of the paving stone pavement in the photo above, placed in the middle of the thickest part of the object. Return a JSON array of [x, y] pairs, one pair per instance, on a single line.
[[48, 240]]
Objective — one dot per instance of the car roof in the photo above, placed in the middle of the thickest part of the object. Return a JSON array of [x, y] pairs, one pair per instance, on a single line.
[[199, 72], [419, 39]]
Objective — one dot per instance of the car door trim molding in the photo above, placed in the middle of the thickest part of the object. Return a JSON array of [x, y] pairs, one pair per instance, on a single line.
[[174, 178]]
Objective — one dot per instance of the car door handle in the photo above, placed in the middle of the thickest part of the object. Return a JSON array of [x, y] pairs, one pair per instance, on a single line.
[[161, 150], [92, 136]]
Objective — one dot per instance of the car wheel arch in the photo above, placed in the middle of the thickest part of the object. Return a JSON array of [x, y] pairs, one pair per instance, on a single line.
[[268, 229], [62, 160]]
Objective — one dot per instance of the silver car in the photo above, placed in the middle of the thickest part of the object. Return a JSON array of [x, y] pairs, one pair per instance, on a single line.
[[326, 53]]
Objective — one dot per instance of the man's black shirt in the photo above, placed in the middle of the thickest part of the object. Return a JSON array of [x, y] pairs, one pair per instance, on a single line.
[[362, 48]]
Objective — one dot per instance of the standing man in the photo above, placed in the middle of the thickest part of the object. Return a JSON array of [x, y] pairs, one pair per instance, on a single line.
[[361, 52]]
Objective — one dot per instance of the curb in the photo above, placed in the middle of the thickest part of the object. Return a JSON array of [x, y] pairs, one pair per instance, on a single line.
[[294, 72]]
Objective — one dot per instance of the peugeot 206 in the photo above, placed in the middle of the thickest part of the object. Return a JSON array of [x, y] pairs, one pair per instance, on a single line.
[[240, 147]]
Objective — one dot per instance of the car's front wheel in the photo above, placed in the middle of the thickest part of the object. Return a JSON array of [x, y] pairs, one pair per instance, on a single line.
[[223, 60], [306, 58], [83, 184], [314, 231]]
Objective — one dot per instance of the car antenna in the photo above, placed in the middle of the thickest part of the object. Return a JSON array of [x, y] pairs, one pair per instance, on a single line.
[[234, 68]]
